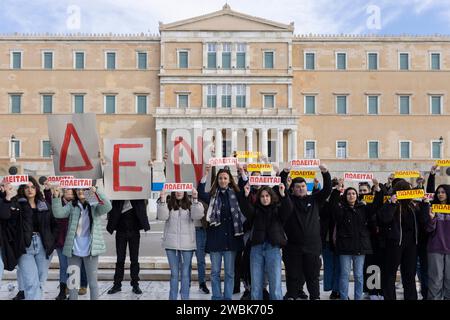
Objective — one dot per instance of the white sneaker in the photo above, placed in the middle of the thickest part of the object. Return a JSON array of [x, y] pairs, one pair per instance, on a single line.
[[373, 297], [380, 297]]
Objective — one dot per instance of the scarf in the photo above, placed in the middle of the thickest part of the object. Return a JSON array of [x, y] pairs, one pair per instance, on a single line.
[[213, 215]]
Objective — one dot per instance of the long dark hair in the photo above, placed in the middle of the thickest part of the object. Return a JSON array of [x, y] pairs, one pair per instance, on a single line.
[[173, 203], [344, 196], [21, 190], [446, 188], [215, 184], [402, 185], [273, 196]]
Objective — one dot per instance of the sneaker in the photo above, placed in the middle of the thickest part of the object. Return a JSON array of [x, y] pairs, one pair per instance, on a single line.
[[136, 290], [335, 295], [380, 297], [373, 297], [266, 294], [82, 291], [302, 295], [19, 296], [203, 288], [237, 289], [115, 289], [247, 295]]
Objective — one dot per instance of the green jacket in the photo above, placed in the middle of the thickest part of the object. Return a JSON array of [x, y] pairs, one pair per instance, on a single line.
[[97, 246]]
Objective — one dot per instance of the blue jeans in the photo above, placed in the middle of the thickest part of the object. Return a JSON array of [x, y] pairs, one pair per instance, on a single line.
[[358, 270], [19, 279], [216, 265], [62, 266], [200, 237], [83, 276], [34, 269], [265, 259], [179, 261], [331, 269]]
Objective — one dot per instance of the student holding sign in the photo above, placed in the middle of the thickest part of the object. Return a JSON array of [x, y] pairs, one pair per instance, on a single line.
[[84, 240], [302, 253], [35, 236], [225, 230], [266, 218], [439, 246], [179, 213], [399, 223]]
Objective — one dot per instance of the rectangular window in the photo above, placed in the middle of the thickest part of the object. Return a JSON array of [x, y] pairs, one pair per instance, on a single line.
[[142, 60], [110, 60], [372, 61], [436, 104], [435, 61], [110, 104], [183, 101], [79, 60], [310, 104], [16, 103], [16, 60], [436, 150], [47, 103], [341, 104], [212, 56], [141, 107], [78, 101], [240, 56], [310, 149], [405, 150], [341, 149], [372, 107], [310, 61], [241, 91], [373, 150], [15, 152], [268, 60], [48, 60], [182, 59], [46, 149], [404, 105], [226, 56], [226, 96], [404, 61], [269, 101], [211, 97], [341, 61]]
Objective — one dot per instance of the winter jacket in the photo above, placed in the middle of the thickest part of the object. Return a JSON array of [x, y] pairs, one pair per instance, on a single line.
[[73, 212], [139, 210], [303, 226], [266, 222], [439, 228], [179, 229]]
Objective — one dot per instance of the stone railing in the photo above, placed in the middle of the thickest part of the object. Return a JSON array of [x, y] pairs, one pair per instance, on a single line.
[[214, 112]]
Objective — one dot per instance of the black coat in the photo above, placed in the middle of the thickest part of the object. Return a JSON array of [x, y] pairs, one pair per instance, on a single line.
[[303, 226], [266, 222], [353, 226], [22, 219], [139, 209]]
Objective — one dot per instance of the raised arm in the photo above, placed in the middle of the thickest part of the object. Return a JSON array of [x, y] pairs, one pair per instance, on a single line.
[[431, 187], [104, 206], [322, 195]]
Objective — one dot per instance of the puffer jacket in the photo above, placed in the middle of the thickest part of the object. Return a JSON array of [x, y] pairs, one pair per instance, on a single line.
[[73, 212], [179, 230]]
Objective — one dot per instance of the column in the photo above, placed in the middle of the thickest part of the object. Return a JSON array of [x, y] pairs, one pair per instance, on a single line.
[[233, 140], [249, 134], [264, 140], [293, 143], [159, 157], [280, 146], [218, 148]]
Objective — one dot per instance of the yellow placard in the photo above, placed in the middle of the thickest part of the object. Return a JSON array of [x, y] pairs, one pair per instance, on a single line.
[[247, 154], [410, 194], [441, 208], [386, 199], [406, 174], [443, 163], [306, 174], [368, 198], [251, 167]]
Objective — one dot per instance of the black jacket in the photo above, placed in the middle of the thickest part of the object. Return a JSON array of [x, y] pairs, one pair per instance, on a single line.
[[266, 222], [22, 219], [390, 222], [353, 227], [139, 209], [303, 226]]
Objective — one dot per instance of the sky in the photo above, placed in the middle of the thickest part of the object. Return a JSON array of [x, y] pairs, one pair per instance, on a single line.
[[416, 17]]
